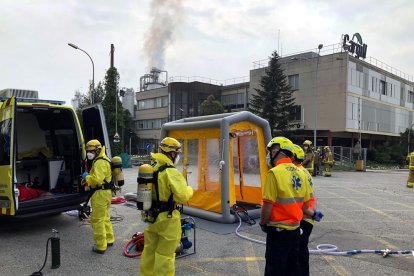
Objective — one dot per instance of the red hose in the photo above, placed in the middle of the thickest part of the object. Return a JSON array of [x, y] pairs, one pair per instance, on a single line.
[[138, 241]]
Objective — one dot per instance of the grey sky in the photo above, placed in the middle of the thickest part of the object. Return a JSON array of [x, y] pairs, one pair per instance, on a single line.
[[210, 38]]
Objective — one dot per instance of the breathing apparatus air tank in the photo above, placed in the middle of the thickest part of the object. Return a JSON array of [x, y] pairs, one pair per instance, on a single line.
[[117, 171], [144, 188]]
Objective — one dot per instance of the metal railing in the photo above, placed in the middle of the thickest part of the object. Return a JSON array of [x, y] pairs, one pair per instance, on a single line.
[[347, 156]]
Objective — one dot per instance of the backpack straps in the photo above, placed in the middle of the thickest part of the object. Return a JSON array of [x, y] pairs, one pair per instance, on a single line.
[[170, 203]]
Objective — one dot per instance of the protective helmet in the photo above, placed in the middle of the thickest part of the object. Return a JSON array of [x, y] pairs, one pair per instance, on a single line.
[[298, 152], [326, 148], [93, 145], [169, 144], [284, 143], [307, 142]]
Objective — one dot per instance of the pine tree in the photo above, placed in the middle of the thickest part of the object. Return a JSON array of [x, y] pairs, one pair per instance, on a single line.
[[110, 103], [210, 106], [274, 100]]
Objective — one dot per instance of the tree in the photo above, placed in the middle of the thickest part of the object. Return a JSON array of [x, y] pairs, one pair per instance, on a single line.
[[98, 96], [129, 133], [114, 121], [210, 106], [274, 100]]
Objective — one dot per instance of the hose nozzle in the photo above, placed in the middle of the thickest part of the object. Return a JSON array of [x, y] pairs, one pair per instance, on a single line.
[[386, 252]]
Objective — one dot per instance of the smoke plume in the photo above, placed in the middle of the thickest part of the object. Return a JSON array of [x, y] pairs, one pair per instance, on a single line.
[[166, 16]]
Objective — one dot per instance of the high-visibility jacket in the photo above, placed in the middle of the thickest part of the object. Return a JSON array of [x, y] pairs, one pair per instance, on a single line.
[[410, 159], [308, 161], [287, 190], [327, 158], [312, 192]]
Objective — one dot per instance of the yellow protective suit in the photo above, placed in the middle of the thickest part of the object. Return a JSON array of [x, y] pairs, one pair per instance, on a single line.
[[327, 161], [410, 180], [162, 237], [308, 162], [101, 201]]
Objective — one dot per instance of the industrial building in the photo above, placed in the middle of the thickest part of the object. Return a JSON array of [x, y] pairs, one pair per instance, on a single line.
[[341, 97]]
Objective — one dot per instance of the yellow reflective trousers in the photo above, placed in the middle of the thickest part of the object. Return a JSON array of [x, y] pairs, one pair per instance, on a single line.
[[160, 242], [100, 219]]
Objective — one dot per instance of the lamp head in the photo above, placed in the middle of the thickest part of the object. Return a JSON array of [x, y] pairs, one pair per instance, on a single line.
[[73, 45]]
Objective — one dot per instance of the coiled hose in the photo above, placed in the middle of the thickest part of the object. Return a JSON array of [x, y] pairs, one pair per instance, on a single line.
[[330, 249], [137, 241]]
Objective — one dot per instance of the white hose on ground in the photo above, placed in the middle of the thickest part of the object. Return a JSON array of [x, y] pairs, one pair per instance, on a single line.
[[330, 249]]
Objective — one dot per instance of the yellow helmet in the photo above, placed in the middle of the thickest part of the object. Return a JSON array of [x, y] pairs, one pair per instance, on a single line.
[[307, 142], [326, 148], [284, 143], [93, 145], [298, 152], [169, 144]]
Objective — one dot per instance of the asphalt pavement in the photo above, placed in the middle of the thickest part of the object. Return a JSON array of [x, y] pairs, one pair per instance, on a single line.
[[363, 210]]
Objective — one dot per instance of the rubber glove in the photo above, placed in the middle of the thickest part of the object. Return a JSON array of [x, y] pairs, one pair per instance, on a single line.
[[84, 175], [317, 216]]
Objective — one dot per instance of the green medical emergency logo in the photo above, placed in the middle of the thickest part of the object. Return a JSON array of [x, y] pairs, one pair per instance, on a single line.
[[357, 48]]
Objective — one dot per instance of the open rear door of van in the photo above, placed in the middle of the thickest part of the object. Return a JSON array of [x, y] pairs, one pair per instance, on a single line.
[[94, 126], [8, 190]]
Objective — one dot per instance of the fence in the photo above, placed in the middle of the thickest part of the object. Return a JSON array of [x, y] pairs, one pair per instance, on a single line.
[[347, 157]]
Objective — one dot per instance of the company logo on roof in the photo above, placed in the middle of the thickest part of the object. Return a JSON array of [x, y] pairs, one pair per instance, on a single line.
[[358, 48]]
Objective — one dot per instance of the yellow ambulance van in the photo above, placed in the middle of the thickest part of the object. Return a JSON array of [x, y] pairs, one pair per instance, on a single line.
[[42, 154]]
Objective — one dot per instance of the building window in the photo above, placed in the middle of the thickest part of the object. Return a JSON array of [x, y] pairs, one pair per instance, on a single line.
[[233, 101], [294, 81], [151, 123], [153, 103], [383, 87], [296, 113], [410, 97]]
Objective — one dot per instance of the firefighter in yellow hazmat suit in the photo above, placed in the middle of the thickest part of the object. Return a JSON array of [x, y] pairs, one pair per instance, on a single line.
[[98, 180], [162, 237], [410, 180]]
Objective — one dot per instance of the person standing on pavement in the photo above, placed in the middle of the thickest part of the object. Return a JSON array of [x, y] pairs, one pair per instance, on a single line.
[[327, 161], [163, 235], [285, 197], [309, 156], [410, 180], [306, 224], [99, 182]]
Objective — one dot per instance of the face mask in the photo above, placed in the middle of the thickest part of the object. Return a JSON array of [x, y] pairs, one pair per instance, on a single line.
[[268, 161], [90, 155], [305, 147], [177, 159]]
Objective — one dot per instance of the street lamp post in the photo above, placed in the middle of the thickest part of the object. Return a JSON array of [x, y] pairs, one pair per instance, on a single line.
[[93, 69], [130, 138], [316, 97]]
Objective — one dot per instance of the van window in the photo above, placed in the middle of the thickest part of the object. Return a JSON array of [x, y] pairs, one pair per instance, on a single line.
[[5, 142]]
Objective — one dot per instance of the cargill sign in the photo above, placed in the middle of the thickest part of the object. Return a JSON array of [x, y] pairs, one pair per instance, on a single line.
[[357, 48]]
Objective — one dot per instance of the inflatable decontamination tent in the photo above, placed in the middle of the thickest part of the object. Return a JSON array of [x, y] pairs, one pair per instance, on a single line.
[[224, 160]]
